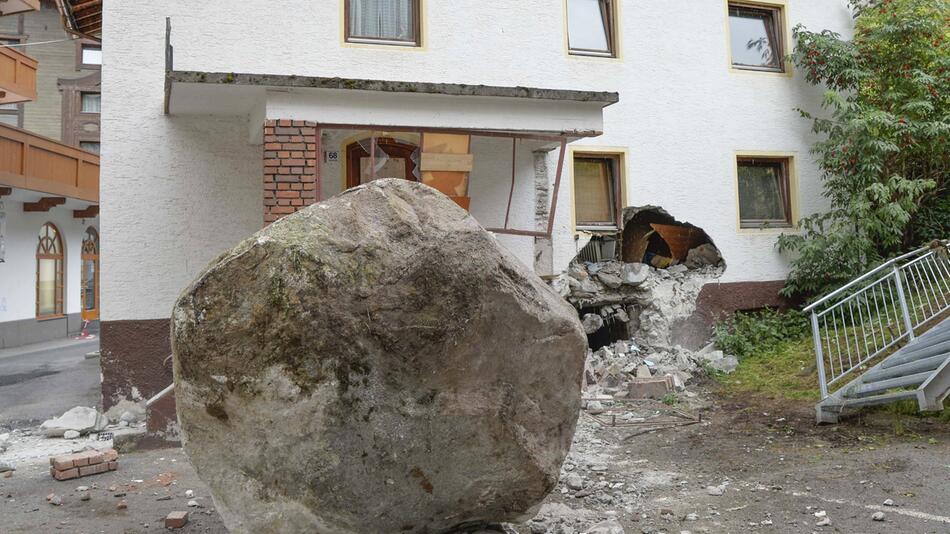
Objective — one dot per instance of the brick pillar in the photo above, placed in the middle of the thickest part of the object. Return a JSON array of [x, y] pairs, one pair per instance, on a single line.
[[291, 149]]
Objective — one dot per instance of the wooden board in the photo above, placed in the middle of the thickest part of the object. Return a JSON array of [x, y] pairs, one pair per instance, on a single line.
[[446, 162]]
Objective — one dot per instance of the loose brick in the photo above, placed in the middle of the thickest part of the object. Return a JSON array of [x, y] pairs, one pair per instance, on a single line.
[[113, 465], [93, 469], [110, 455], [62, 462], [176, 520], [67, 474]]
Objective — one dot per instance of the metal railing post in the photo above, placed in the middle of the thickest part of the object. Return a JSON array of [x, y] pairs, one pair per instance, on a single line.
[[903, 300], [819, 355]]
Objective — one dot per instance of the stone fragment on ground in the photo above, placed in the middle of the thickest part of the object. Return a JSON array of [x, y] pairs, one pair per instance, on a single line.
[[79, 419], [368, 321]]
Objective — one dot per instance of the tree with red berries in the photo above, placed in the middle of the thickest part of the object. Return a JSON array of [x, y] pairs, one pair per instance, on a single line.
[[883, 152]]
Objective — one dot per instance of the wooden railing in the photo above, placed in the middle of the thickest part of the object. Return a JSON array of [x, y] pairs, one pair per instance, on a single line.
[[17, 76], [29, 161]]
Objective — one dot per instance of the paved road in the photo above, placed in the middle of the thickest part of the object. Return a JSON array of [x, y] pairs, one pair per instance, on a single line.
[[44, 380]]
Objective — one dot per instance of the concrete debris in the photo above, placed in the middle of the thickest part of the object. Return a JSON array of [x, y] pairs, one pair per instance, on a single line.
[[877, 516], [592, 323], [719, 361], [71, 434], [647, 302], [6, 466], [715, 491], [455, 375], [79, 419], [610, 526]]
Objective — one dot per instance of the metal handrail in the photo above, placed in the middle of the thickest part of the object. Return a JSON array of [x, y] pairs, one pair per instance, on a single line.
[[866, 318]]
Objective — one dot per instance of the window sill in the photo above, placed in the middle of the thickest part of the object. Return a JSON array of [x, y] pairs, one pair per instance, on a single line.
[[383, 42], [591, 55], [597, 229], [41, 318], [786, 73]]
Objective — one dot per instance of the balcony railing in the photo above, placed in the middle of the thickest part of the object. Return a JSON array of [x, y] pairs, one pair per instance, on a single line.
[[17, 76], [29, 161]]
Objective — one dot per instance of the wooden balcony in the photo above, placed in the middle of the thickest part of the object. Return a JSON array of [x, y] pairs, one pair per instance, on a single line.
[[28, 161], [12, 7], [17, 76]]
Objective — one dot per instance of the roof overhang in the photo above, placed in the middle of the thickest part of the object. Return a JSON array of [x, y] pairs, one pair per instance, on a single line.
[[388, 103], [12, 7], [82, 17]]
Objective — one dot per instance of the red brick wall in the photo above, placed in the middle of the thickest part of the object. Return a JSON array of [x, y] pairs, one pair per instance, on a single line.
[[290, 167]]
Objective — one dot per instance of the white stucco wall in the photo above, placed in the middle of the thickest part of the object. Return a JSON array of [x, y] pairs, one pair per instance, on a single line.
[[177, 190], [18, 272]]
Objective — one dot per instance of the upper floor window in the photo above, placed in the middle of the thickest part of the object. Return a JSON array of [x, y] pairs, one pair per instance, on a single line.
[[392, 22], [756, 37], [591, 28], [91, 103], [89, 56]]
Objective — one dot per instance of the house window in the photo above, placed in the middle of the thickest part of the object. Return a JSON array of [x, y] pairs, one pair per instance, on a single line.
[[596, 191], [49, 272], [90, 146], [88, 56], [765, 199], [91, 103], [393, 22], [591, 28], [756, 37]]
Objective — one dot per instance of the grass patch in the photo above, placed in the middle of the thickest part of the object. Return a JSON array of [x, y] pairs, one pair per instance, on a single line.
[[786, 370]]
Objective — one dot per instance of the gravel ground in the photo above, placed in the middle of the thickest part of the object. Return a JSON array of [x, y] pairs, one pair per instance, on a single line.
[[776, 470]]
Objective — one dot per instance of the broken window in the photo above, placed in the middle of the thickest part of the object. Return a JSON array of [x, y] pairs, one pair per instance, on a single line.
[[764, 193], [596, 191], [591, 27], [756, 37], [393, 22]]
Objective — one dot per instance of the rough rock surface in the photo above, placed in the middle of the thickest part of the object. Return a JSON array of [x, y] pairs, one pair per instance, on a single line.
[[375, 363]]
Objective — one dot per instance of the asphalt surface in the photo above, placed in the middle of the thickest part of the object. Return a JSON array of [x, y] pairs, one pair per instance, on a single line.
[[44, 380]]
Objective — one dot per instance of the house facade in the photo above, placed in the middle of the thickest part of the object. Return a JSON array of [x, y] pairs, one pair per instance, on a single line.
[[543, 119], [49, 172]]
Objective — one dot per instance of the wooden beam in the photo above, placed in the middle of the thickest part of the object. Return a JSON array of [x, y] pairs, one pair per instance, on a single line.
[[4, 191], [88, 213], [43, 204]]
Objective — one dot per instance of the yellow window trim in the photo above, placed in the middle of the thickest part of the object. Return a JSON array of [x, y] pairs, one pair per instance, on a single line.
[[792, 158], [786, 31], [621, 153]]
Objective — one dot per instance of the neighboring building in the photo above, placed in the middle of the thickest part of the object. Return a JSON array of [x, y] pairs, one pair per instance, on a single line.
[[49, 176], [253, 110]]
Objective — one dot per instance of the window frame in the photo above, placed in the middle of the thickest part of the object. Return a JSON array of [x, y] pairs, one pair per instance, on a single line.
[[788, 187], [81, 44], [617, 158], [777, 10], [84, 93], [612, 29], [59, 302], [417, 20]]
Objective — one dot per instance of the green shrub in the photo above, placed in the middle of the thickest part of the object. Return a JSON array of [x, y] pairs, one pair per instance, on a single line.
[[751, 333]]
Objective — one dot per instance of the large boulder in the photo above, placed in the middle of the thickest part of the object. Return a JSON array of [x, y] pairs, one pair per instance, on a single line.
[[375, 363]]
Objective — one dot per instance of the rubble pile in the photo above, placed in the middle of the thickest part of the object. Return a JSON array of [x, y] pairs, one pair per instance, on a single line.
[[366, 372], [646, 300]]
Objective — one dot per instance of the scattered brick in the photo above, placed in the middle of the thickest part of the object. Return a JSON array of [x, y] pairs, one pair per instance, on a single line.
[[70, 466], [176, 520]]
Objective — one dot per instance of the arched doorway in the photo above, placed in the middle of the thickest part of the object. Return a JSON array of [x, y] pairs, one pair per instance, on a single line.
[[90, 275], [50, 256], [392, 159]]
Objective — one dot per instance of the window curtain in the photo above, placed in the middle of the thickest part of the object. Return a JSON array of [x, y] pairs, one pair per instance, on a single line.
[[593, 192], [381, 19], [91, 103], [763, 193]]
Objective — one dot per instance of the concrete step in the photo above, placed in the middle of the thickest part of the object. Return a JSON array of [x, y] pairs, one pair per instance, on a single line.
[[909, 368]]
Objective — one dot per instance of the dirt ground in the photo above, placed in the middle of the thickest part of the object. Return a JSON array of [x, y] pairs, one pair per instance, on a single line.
[[776, 470]]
